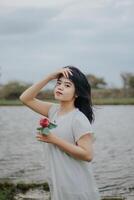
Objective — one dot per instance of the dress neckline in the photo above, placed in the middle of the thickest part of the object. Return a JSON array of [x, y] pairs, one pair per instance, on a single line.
[[58, 116]]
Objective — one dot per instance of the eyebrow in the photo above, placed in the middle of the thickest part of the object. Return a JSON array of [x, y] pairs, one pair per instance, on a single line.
[[65, 81]]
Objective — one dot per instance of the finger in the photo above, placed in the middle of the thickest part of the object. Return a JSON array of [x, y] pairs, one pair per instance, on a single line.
[[64, 73], [38, 137], [40, 134], [69, 71], [67, 68], [41, 137]]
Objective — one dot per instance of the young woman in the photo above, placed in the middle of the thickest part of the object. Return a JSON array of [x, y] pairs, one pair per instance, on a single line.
[[69, 146]]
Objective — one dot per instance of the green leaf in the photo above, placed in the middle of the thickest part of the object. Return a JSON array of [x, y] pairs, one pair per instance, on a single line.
[[45, 131], [39, 128], [53, 123], [51, 126]]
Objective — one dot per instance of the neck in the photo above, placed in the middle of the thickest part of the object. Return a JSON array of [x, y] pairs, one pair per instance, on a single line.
[[66, 106]]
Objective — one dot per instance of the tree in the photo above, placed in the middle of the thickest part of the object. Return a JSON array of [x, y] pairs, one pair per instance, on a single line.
[[13, 89], [131, 82], [96, 82], [128, 79], [128, 82]]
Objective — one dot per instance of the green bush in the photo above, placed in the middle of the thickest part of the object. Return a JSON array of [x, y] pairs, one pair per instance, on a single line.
[[12, 90]]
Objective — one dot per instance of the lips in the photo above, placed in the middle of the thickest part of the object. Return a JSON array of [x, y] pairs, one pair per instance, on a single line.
[[58, 93]]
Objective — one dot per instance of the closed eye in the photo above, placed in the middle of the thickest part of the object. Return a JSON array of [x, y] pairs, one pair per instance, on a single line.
[[58, 83]]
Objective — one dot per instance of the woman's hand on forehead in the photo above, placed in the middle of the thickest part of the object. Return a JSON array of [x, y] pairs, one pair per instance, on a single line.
[[65, 72]]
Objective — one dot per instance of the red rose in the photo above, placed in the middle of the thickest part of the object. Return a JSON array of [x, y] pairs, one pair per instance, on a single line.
[[44, 122]]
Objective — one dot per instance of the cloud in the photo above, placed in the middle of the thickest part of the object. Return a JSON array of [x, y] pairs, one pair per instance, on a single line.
[[26, 20], [88, 33], [33, 3]]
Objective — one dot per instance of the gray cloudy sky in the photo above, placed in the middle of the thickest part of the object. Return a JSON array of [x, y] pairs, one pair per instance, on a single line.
[[40, 36]]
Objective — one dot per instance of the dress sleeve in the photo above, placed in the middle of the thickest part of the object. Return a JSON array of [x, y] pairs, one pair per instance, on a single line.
[[81, 126]]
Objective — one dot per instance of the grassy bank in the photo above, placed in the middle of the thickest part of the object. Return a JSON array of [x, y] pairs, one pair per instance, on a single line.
[[17, 102], [100, 101], [114, 101], [9, 190]]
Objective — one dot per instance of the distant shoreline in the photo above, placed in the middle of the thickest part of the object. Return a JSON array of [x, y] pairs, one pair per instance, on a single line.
[[99, 101]]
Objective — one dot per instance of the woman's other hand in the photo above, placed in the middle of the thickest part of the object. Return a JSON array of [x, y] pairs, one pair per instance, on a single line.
[[51, 138]]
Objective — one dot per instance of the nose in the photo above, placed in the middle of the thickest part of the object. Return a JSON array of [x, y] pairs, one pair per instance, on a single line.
[[60, 88]]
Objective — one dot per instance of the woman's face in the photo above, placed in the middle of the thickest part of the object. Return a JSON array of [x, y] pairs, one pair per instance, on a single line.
[[64, 90]]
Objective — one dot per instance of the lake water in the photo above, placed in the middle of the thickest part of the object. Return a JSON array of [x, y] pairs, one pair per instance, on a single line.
[[22, 159]]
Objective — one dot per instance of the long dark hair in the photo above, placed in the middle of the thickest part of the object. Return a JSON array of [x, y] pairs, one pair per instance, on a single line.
[[83, 91]]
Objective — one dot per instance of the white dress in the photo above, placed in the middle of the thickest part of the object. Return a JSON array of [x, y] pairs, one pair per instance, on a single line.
[[69, 178]]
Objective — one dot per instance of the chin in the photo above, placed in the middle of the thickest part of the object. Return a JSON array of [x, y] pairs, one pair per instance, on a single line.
[[57, 97], [60, 99]]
